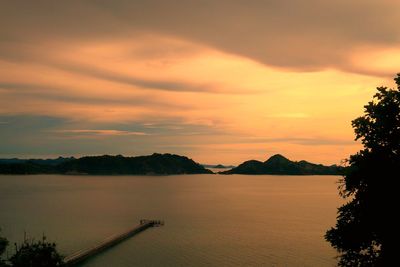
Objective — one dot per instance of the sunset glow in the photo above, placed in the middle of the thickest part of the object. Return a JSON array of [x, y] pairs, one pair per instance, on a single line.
[[217, 87]]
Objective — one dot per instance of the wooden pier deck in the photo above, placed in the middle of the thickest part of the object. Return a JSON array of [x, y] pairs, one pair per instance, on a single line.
[[84, 254]]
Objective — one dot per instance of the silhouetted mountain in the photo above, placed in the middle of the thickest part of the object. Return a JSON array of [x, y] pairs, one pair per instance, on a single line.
[[160, 164], [278, 164], [31, 166], [52, 162]]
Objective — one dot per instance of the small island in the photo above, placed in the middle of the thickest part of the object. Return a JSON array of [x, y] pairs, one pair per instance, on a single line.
[[155, 164], [280, 165], [159, 164]]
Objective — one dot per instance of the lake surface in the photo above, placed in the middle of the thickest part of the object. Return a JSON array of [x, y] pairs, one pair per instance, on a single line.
[[210, 220]]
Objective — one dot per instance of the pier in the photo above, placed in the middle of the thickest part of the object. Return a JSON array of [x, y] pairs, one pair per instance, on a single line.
[[84, 254]]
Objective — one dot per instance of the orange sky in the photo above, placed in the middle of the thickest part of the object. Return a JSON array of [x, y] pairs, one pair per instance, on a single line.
[[229, 88]]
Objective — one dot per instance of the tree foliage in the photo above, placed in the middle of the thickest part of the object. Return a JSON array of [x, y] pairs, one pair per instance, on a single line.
[[367, 228], [3, 246], [32, 254]]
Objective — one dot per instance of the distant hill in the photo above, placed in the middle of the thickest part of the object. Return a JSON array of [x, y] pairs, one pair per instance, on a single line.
[[31, 166], [52, 162], [157, 164], [218, 166], [278, 164]]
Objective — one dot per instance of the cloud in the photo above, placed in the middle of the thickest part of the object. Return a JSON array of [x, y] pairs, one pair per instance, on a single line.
[[42, 136], [101, 132], [302, 35], [310, 141], [198, 77], [63, 94], [144, 62], [134, 81]]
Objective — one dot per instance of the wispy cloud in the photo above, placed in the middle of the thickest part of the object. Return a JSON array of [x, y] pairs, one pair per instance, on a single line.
[[291, 35], [135, 77], [306, 141], [101, 132], [62, 93]]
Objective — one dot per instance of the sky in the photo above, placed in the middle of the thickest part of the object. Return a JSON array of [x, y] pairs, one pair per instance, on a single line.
[[218, 81]]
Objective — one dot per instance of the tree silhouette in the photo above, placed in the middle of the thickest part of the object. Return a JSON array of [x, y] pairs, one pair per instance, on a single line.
[[32, 253], [36, 254], [367, 228], [3, 246]]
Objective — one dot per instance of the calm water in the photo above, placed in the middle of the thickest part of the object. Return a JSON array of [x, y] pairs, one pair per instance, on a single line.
[[211, 220]]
